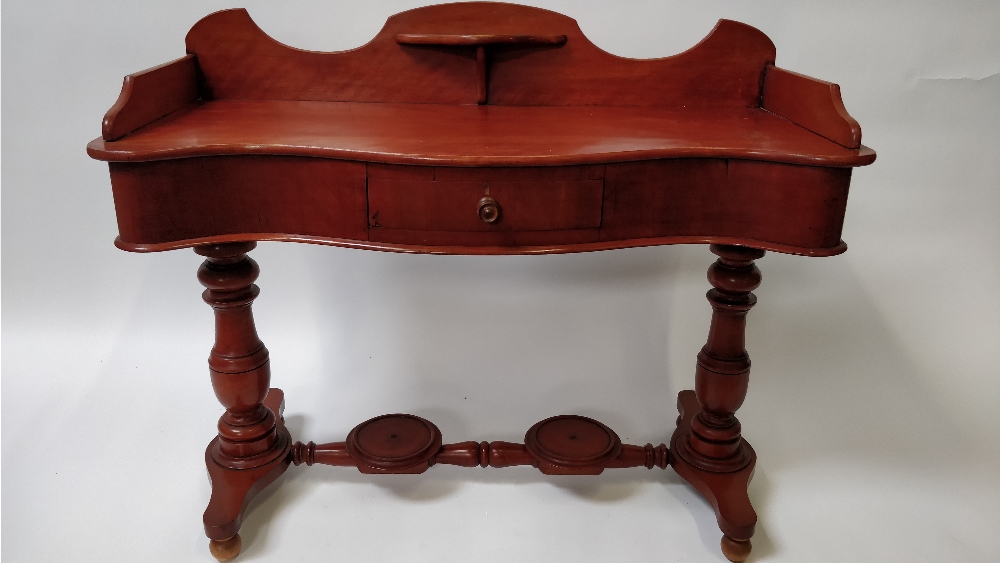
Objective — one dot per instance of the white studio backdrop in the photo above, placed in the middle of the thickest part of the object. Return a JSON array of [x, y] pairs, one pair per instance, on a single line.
[[874, 402]]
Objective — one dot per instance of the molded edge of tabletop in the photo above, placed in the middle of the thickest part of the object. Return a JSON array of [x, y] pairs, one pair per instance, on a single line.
[[99, 149], [481, 250]]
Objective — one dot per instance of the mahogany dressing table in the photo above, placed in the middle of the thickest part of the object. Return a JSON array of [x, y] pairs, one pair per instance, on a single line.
[[477, 128]]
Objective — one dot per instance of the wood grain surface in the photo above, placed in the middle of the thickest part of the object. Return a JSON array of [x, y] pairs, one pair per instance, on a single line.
[[811, 103], [239, 61], [151, 94], [472, 135]]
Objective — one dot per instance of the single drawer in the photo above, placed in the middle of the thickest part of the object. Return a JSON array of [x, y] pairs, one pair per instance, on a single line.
[[478, 200]]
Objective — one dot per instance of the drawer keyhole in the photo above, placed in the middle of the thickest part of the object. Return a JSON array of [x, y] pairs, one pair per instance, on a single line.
[[489, 210]]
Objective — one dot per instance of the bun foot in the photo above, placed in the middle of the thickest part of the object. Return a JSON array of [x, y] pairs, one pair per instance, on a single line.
[[226, 550], [736, 551]]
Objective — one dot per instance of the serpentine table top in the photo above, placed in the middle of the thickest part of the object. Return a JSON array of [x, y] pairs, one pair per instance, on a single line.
[[482, 94]]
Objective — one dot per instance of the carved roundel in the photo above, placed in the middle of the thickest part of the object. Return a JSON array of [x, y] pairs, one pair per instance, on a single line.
[[394, 441], [572, 441]]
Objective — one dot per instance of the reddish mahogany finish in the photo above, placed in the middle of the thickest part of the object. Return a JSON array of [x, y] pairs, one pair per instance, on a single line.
[[723, 371], [239, 61], [708, 448], [403, 443], [252, 447], [726, 492], [477, 40], [481, 42], [813, 104], [477, 128], [162, 90], [472, 135], [169, 204], [696, 146]]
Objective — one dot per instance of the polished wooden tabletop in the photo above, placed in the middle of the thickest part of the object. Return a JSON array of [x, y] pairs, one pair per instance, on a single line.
[[475, 135]]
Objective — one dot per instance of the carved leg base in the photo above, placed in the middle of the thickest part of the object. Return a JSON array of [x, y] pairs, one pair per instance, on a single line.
[[233, 489], [726, 492], [226, 550]]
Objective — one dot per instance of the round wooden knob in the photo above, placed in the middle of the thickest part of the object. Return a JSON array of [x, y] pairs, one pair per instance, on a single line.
[[489, 210]]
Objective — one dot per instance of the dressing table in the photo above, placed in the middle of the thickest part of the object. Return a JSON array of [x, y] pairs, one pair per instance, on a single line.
[[477, 128]]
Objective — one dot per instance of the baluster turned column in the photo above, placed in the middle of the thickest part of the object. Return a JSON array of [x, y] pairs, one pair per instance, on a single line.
[[712, 452], [239, 365], [723, 369], [252, 446]]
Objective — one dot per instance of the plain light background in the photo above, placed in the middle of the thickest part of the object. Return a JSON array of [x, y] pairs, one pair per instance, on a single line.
[[874, 402]]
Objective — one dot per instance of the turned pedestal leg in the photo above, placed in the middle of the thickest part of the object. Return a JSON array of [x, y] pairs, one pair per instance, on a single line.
[[709, 451], [252, 448]]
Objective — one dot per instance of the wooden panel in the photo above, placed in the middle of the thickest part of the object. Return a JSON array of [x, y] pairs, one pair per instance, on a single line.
[[723, 70], [799, 206], [175, 200], [481, 136], [811, 103], [240, 61], [454, 206], [400, 172], [151, 94], [171, 204], [452, 242], [519, 174], [644, 199], [486, 173]]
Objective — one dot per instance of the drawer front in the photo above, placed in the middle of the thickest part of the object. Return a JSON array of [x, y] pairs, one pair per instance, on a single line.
[[191, 198], [478, 201], [784, 204]]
